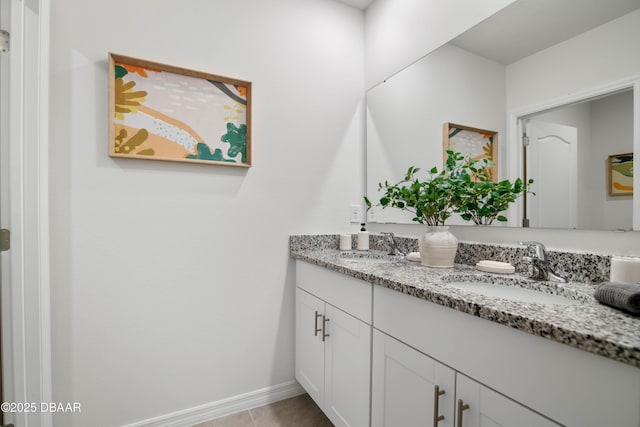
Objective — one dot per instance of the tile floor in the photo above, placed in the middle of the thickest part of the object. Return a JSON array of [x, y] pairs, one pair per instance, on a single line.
[[299, 411]]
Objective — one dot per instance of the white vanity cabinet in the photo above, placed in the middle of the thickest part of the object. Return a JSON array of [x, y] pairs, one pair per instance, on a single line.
[[385, 352], [507, 377], [333, 343]]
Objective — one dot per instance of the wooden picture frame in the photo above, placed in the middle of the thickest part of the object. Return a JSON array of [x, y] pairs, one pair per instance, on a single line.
[[620, 174], [163, 112], [474, 142]]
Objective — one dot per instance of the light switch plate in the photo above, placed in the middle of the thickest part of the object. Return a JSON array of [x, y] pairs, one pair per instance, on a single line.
[[371, 214], [355, 214]]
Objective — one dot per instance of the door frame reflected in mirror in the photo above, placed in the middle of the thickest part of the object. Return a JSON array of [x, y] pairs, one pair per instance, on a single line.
[[515, 153]]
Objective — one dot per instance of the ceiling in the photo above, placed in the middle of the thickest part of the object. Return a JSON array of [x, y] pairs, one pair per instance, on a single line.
[[358, 4], [528, 26]]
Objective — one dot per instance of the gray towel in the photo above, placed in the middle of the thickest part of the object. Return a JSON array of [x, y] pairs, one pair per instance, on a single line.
[[625, 296]]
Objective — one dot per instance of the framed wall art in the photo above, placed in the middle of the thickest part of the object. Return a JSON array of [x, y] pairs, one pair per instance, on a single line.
[[162, 112], [620, 174], [473, 142]]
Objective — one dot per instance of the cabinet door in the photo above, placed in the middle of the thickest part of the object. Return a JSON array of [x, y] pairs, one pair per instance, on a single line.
[[347, 370], [404, 387], [309, 345], [479, 406]]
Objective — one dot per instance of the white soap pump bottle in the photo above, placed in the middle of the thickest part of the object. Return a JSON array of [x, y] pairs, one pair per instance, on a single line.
[[363, 238]]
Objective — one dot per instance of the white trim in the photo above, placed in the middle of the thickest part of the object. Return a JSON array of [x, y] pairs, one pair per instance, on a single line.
[[576, 97], [17, 389], [514, 153], [28, 213], [221, 408], [46, 369]]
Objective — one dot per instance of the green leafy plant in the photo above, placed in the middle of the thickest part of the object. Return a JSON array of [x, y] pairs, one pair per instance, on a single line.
[[432, 200], [483, 200], [464, 186]]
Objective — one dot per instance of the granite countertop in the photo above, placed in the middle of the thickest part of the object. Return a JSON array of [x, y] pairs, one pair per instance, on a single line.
[[585, 324]]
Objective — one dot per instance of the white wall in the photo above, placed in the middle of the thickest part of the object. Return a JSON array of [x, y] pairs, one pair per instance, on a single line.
[[399, 32], [593, 59], [171, 283]]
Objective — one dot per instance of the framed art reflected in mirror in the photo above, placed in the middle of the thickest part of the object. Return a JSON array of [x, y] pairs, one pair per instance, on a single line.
[[620, 174], [472, 142]]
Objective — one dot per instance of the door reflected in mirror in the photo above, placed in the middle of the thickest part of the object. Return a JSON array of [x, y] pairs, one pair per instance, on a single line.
[[566, 156]]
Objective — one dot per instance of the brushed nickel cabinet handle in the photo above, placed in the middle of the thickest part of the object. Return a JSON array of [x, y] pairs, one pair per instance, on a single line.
[[324, 327], [461, 407], [315, 327], [436, 405]]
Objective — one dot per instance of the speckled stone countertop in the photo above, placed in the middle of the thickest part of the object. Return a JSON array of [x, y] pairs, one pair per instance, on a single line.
[[584, 324]]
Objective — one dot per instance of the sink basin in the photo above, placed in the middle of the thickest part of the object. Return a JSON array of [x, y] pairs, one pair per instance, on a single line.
[[512, 293], [512, 289]]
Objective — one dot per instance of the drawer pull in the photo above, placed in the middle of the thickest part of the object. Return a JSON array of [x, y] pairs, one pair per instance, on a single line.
[[461, 407], [436, 405], [315, 327], [324, 327]]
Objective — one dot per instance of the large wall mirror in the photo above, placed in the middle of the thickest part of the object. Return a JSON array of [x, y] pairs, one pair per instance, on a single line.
[[561, 75]]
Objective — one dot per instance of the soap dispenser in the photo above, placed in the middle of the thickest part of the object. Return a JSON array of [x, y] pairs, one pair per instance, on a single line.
[[363, 238]]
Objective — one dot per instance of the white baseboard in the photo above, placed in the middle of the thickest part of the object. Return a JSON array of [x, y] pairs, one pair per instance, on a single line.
[[221, 408]]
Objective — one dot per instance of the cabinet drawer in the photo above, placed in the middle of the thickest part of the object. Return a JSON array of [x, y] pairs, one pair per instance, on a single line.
[[348, 294]]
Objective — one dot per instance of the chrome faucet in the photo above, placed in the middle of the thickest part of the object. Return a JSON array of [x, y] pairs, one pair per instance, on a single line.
[[541, 270], [393, 245]]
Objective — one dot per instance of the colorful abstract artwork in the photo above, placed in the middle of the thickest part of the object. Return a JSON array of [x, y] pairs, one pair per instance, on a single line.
[[620, 176], [162, 112], [472, 142]]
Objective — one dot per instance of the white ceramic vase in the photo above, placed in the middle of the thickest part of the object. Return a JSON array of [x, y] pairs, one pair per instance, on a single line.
[[438, 247]]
